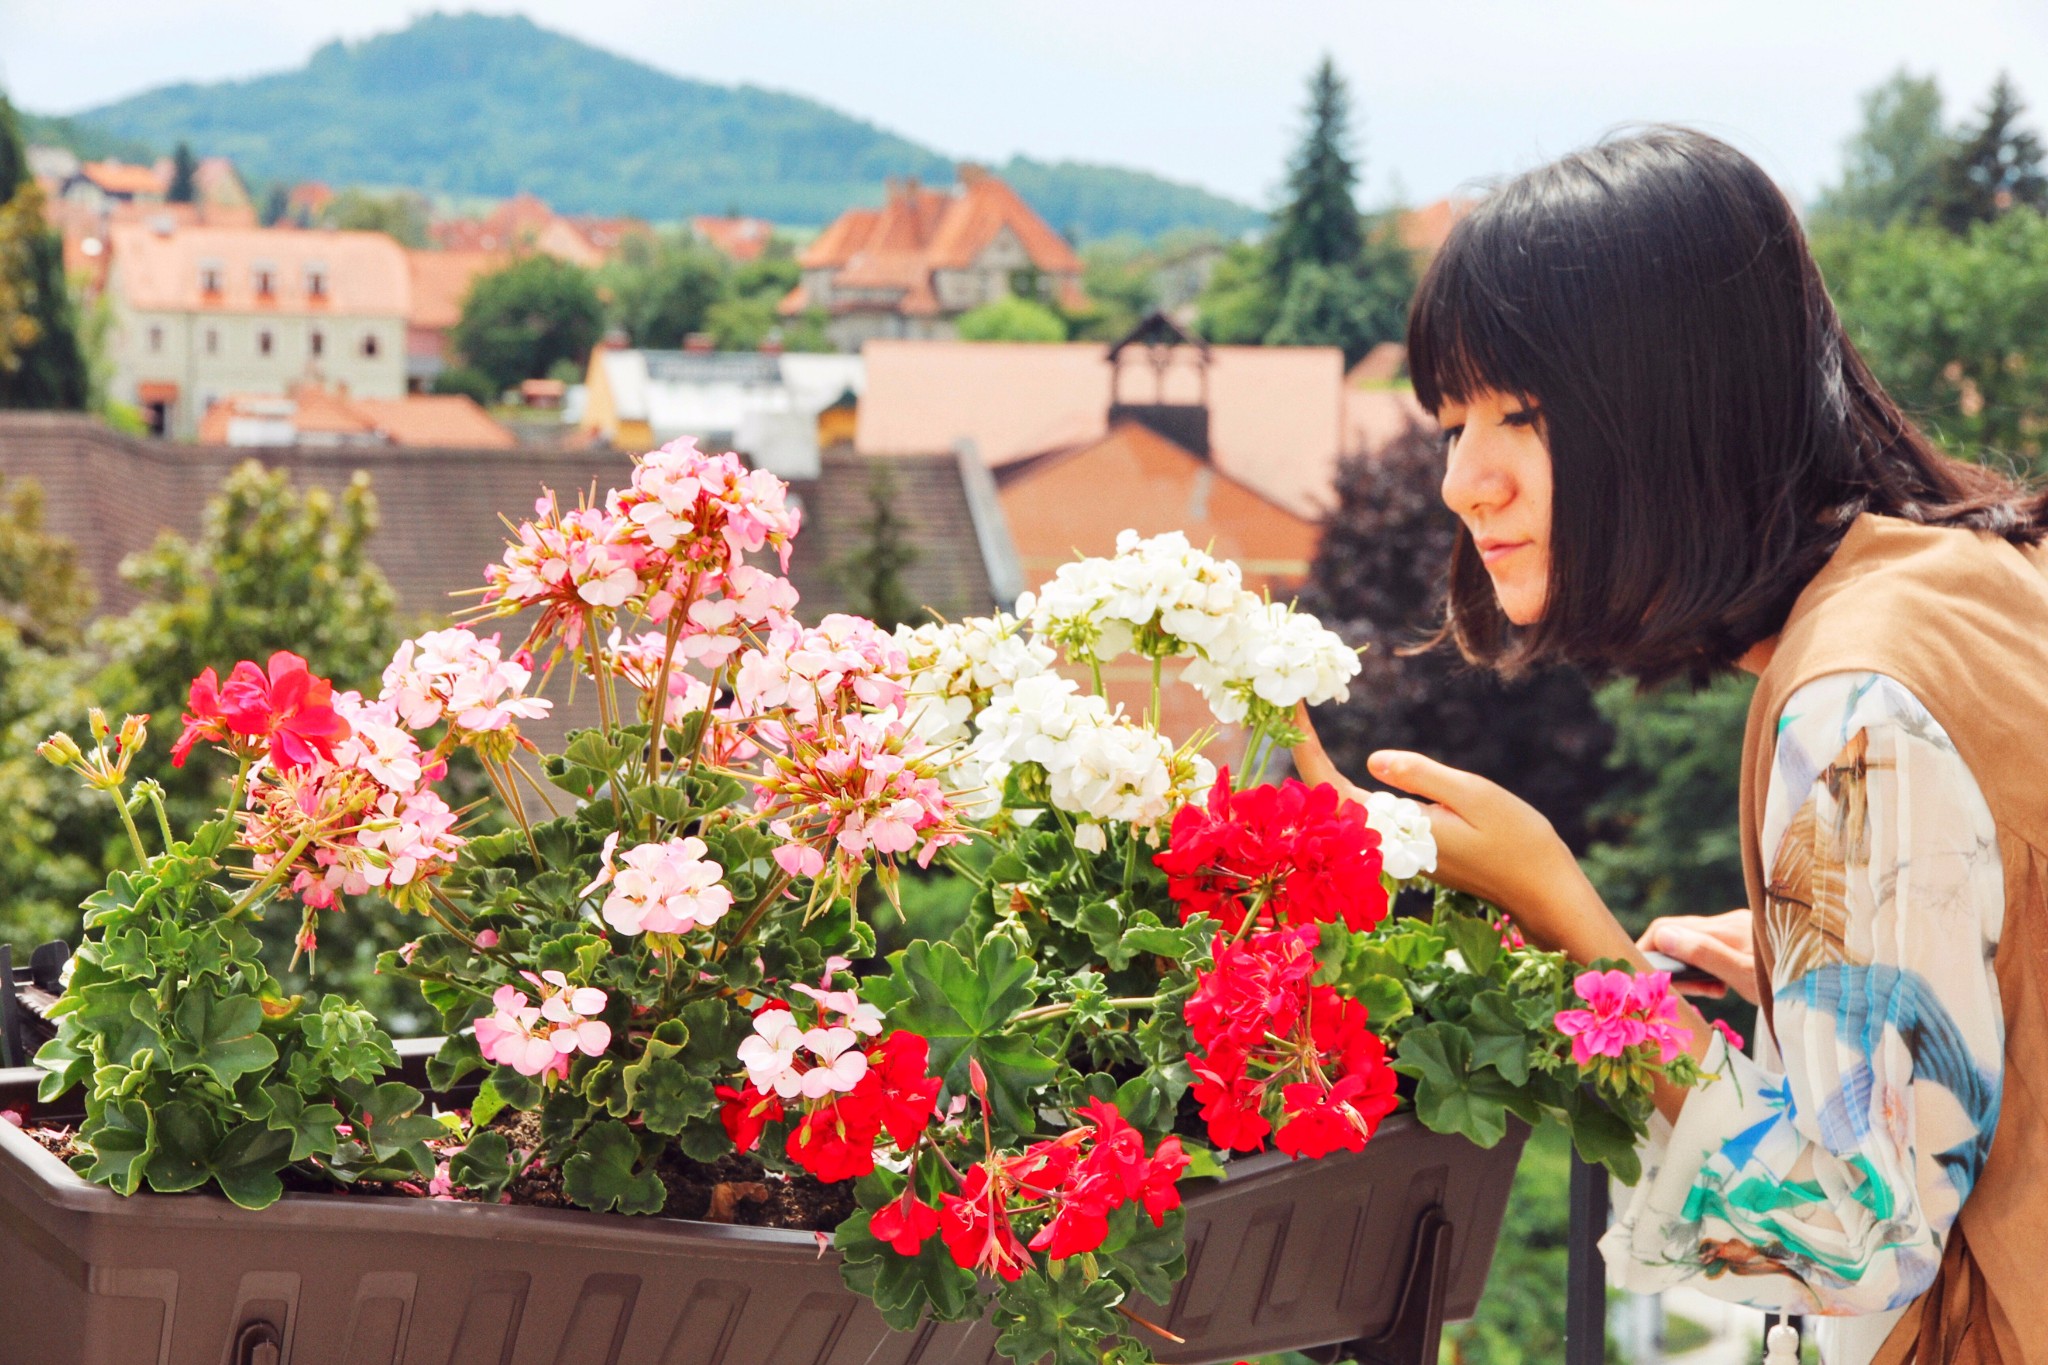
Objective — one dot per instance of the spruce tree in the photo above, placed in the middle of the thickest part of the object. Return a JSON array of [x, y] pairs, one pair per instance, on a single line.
[[873, 571], [183, 189], [1319, 223], [42, 364], [1993, 167]]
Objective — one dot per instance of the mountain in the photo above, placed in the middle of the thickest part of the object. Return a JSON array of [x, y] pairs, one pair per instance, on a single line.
[[472, 104]]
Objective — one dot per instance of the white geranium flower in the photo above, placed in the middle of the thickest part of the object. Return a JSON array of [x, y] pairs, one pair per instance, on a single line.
[[1407, 843]]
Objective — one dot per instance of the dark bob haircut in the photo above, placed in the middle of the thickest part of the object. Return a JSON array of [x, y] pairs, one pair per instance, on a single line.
[[1712, 432]]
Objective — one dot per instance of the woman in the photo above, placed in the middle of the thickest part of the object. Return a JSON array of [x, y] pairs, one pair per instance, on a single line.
[[1669, 461]]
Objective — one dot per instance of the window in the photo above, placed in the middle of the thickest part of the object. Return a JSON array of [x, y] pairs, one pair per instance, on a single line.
[[265, 277], [156, 340], [210, 277], [369, 346], [212, 341], [263, 342], [316, 343], [316, 281]]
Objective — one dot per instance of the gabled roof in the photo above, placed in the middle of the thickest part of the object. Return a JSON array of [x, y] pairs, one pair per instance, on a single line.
[[452, 420], [741, 239], [895, 249], [120, 177], [445, 420]]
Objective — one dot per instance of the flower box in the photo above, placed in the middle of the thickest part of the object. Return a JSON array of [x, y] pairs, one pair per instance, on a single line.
[[1282, 1256]]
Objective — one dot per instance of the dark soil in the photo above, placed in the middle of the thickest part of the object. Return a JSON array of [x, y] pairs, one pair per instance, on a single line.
[[733, 1189], [58, 1142]]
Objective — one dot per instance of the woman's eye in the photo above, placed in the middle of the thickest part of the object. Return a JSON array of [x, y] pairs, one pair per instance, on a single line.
[[1526, 417], [1451, 435]]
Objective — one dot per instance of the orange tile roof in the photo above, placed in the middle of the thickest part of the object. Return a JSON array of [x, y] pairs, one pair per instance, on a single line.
[[436, 419], [311, 195], [741, 239], [1425, 229], [920, 230], [119, 177], [450, 420], [365, 272], [1277, 414], [441, 280]]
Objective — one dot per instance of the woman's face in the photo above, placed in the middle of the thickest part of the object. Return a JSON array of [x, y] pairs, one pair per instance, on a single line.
[[1497, 479]]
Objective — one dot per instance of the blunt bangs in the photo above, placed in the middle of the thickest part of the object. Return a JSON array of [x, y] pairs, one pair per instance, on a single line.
[[1712, 431]]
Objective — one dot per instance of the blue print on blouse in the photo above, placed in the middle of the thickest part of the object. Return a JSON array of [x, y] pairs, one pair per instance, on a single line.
[[1865, 1001]]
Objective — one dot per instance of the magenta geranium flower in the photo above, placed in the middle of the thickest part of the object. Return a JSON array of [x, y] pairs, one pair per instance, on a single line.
[[1610, 1025]]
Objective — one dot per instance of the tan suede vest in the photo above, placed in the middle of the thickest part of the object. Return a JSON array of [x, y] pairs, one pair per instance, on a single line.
[[1961, 619]]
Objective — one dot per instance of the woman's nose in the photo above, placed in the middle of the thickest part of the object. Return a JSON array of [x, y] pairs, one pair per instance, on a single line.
[[1473, 483]]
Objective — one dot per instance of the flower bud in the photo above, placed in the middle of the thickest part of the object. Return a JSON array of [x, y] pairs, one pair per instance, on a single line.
[[97, 719], [134, 730], [61, 749]]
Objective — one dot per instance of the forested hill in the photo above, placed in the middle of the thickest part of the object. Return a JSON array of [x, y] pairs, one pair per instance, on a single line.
[[472, 104]]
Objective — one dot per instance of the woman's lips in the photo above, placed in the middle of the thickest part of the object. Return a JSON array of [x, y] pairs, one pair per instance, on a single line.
[[1492, 552]]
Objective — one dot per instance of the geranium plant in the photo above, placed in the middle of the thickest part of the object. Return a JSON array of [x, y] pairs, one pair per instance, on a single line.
[[657, 958]]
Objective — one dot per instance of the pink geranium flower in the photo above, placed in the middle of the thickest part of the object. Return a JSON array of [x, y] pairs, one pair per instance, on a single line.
[[1608, 1027]]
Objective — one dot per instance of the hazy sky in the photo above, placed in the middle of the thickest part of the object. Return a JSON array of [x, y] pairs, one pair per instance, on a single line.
[[1209, 91]]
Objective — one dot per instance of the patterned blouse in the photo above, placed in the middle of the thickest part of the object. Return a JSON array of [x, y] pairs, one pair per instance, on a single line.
[[1822, 1176]]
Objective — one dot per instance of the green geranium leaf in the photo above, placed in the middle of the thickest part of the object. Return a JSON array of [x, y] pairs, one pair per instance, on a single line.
[[487, 1105], [964, 1008], [185, 1139], [1499, 1038], [1385, 999], [312, 1127], [485, 1163], [386, 1122], [220, 1036], [122, 1139], [666, 1096], [904, 1288], [1147, 1260], [246, 1163], [1057, 1315], [605, 1173], [456, 1058], [1476, 941], [1451, 1096]]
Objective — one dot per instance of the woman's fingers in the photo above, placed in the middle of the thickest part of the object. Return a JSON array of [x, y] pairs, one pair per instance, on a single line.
[[1732, 964], [1310, 761], [1426, 778]]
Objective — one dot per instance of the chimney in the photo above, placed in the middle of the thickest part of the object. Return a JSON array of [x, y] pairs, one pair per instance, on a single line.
[[771, 344], [699, 343]]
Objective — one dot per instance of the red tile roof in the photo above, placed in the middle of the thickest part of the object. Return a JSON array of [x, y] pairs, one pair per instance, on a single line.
[[741, 239], [365, 272], [119, 177], [919, 230], [441, 280], [444, 420]]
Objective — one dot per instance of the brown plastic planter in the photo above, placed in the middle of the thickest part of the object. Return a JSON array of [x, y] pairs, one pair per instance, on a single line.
[[1282, 1256]]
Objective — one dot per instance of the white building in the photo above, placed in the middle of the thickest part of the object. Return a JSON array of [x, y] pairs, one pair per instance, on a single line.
[[204, 312], [764, 405]]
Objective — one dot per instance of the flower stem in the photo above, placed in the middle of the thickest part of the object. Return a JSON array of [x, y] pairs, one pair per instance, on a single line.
[[134, 834], [271, 878], [1065, 1008]]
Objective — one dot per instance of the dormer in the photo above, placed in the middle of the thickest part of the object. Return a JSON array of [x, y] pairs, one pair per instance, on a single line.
[[1175, 401]]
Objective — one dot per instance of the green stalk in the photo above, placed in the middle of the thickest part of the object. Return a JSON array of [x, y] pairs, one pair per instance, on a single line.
[[134, 834], [1062, 1010], [271, 878]]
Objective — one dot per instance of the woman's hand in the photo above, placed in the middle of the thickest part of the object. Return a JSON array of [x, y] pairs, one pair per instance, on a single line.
[[1724, 945], [1492, 844]]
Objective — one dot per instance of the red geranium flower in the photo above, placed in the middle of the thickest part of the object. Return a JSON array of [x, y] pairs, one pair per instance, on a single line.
[[1292, 854], [1231, 1101], [897, 1086], [976, 1226], [204, 721], [905, 1223], [745, 1112], [836, 1141]]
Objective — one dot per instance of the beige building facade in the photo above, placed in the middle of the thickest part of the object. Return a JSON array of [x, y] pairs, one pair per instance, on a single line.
[[201, 313]]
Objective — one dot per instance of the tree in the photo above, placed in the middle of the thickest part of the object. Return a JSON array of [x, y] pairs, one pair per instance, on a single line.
[[1238, 307], [1116, 275], [874, 571], [517, 322], [661, 289], [1378, 579], [1351, 307], [1893, 164], [1319, 223], [467, 379], [276, 205], [401, 215], [183, 190], [1671, 842], [44, 602], [1951, 326], [1993, 168], [42, 364], [1011, 319]]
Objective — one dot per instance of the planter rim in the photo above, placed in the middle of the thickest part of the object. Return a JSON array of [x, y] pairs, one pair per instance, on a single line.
[[66, 1189]]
